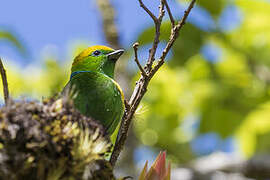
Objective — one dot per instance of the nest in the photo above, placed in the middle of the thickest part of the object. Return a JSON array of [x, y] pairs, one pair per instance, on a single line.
[[51, 140]]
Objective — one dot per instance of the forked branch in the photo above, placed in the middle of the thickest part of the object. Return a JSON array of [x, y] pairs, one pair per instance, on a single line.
[[142, 84]]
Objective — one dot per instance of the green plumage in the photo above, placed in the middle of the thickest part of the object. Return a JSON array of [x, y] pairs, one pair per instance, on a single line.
[[94, 91]]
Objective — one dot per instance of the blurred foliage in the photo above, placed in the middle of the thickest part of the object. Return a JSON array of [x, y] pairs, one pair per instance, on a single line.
[[13, 39], [214, 8], [35, 81], [190, 37], [228, 95]]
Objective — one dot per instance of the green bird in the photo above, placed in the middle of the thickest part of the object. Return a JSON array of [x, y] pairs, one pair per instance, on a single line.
[[95, 93]]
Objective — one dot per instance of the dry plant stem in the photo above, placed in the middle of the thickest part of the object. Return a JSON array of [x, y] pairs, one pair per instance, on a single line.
[[141, 85], [4, 81]]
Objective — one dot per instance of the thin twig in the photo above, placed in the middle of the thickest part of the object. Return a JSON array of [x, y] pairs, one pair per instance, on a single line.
[[4, 81], [182, 22], [161, 11], [173, 37], [135, 47], [148, 11], [169, 12], [153, 50], [142, 84]]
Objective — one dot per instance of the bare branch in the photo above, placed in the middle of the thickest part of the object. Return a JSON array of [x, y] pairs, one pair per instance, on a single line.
[[4, 81], [169, 13], [153, 50], [142, 84], [148, 11], [173, 37], [135, 47], [161, 11], [182, 22]]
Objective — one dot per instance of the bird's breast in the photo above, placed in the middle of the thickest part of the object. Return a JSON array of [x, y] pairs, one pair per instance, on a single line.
[[98, 96]]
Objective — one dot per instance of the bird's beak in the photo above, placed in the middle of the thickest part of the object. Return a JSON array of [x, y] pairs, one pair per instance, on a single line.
[[115, 54]]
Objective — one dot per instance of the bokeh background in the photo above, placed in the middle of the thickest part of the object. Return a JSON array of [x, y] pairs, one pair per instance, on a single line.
[[211, 96]]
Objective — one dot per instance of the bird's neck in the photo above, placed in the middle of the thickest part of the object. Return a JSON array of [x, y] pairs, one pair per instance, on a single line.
[[77, 72]]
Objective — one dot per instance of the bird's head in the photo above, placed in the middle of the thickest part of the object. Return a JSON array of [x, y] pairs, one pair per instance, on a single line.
[[97, 59]]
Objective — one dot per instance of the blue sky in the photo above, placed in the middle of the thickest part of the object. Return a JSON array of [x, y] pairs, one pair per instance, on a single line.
[[56, 25]]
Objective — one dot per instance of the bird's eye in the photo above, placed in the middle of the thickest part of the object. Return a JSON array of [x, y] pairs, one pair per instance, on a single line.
[[96, 53]]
